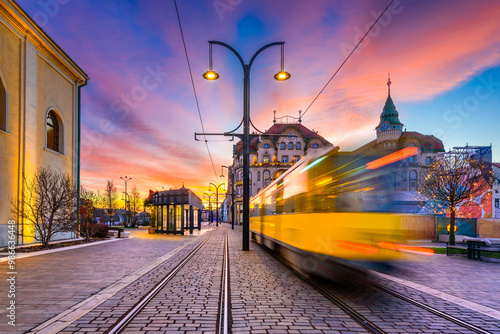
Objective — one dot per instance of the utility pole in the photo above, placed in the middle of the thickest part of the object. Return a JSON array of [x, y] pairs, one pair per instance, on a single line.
[[126, 179]]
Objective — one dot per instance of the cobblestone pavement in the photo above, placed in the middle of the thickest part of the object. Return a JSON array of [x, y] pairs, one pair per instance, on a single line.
[[472, 280], [49, 284], [267, 297], [190, 301]]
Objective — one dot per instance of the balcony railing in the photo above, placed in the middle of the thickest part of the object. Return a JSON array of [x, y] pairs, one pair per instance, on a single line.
[[272, 164]]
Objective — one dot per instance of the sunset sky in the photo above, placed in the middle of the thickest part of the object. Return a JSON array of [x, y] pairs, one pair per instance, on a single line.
[[139, 111]]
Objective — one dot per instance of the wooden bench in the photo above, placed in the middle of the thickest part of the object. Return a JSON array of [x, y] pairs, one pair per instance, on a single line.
[[462, 246], [485, 247], [474, 247], [118, 232]]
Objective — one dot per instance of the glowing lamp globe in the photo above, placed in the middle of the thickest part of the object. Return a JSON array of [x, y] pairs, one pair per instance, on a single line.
[[210, 75], [282, 76]]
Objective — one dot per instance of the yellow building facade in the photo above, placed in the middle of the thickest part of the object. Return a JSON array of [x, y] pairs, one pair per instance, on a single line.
[[39, 110]]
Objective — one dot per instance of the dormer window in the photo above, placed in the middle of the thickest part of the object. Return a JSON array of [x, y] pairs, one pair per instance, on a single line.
[[266, 146], [315, 145]]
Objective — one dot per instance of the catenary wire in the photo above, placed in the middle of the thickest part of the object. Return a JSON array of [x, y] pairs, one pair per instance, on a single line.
[[194, 90], [353, 50]]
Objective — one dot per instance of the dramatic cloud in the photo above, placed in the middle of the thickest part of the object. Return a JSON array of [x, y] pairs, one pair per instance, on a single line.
[[139, 109]]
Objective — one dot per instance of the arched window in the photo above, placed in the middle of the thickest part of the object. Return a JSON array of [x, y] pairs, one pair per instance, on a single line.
[[282, 146], [315, 145], [265, 146], [258, 176], [298, 146], [53, 132], [290, 146], [4, 106], [404, 176], [413, 179], [267, 175]]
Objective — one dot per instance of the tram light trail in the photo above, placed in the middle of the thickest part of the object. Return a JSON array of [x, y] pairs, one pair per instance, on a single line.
[[393, 157]]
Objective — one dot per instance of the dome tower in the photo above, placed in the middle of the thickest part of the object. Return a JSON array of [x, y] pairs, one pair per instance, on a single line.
[[389, 129]]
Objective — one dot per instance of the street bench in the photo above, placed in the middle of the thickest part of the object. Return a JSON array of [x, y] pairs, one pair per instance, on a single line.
[[118, 232], [475, 248]]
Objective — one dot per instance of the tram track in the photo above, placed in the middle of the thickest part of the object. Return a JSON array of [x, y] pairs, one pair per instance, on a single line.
[[223, 314], [349, 305], [432, 310], [369, 325]]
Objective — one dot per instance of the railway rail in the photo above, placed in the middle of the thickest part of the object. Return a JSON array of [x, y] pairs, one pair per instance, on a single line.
[[223, 313], [370, 326], [363, 320]]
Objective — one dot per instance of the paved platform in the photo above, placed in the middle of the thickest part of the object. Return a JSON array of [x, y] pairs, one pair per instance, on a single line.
[[84, 290]]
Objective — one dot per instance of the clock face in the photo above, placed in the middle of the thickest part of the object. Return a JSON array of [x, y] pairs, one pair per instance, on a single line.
[[384, 126]]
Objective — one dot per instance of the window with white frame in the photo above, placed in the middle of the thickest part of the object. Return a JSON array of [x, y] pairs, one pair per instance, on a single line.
[[284, 159], [413, 180]]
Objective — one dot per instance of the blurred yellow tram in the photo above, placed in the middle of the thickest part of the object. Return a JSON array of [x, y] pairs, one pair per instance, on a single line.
[[331, 213]]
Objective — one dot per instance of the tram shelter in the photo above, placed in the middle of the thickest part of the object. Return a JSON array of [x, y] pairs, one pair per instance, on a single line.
[[177, 210]]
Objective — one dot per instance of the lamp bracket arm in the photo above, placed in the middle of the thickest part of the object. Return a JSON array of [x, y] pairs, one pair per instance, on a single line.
[[262, 49], [230, 48]]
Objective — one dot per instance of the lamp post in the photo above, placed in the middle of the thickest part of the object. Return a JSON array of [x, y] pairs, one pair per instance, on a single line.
[[216, 200], [231, 175], [280, 76], [126, 179], [209, 207]]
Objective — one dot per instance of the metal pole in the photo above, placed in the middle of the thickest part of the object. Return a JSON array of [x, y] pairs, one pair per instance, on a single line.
[[217, 206], [246, 135], [246, 158], [232, 200]]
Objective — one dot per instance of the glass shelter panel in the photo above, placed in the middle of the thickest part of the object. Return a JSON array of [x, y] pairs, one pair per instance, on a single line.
[[178, 218]]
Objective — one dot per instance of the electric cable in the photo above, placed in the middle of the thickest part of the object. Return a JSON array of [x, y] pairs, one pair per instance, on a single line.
[[194, 90], [353, 50]]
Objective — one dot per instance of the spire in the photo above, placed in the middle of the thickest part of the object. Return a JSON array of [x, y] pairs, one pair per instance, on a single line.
[[389, 84], [389, 114]]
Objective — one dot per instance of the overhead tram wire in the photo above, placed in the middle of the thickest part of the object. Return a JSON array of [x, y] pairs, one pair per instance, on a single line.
[[349, 56], [194, 90]]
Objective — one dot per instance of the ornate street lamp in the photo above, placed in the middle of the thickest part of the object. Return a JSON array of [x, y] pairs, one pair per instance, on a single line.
[[216, 200], [280, 76]]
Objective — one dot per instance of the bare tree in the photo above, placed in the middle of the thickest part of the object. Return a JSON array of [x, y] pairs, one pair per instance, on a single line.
[[148, 206], [49, 203], [135, 203], [88, 201], [109, 198], [453, 178]]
